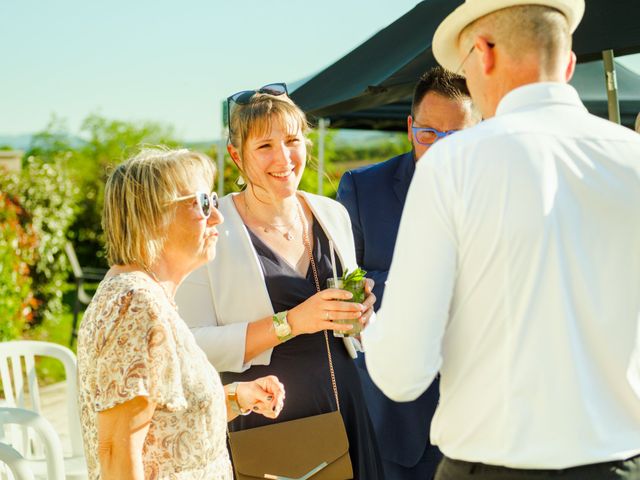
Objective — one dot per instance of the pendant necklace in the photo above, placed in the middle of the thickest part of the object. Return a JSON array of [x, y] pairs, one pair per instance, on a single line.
[[268, 227]]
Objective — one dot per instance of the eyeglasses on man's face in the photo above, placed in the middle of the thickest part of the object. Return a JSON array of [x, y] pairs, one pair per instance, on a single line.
[[429, 136], [206, 201], [244, 97], [464, 60]]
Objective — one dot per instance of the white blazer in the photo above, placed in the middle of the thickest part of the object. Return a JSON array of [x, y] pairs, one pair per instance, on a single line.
[[219, 299]]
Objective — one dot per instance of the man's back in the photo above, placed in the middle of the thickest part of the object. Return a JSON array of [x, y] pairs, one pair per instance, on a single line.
[[539, 218], [548, 287]]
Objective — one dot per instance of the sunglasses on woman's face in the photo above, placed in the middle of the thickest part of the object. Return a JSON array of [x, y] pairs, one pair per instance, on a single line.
[[206, 201], [245, 96]]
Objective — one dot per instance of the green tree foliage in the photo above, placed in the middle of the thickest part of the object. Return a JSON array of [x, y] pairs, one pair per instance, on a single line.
[[17, 241], [102, 143], [309, 182], [36, 214], [342, 156]]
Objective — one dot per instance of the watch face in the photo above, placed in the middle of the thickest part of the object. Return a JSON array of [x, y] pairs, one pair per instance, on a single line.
[[283, 329]]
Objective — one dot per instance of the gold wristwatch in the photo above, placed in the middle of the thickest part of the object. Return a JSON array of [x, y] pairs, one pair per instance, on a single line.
[[232, 396], [282, 327]]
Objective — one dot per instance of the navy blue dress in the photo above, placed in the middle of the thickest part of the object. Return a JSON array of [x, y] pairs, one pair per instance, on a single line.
[[301, 364]]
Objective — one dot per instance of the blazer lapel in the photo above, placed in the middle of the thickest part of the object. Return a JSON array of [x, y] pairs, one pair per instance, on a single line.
[[403, 175], [236, 264]]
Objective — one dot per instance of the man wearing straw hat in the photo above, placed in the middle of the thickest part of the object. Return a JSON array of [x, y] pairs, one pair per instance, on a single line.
[[516, 272]]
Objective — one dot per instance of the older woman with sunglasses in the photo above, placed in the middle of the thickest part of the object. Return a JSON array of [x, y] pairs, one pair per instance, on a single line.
[[151, 404], [256, 309]]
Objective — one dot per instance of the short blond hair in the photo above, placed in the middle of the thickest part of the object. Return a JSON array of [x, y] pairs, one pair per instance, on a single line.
[[257, 117], [525, 29], [638, 123], [138, 207]]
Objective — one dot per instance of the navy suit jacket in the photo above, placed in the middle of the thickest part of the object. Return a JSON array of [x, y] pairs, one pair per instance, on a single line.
[[374, 196]]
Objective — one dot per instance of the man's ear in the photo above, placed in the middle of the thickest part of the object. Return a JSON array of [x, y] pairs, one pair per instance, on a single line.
[[487, 54], [409, 132], [571, 67]]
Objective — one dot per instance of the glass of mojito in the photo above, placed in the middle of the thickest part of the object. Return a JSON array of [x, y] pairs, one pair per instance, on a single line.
[[352, 282]]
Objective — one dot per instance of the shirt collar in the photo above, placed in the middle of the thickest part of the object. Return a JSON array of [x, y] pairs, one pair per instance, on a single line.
[[537, 95]]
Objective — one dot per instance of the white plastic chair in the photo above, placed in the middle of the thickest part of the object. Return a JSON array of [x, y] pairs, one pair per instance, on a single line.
[[82, 275], [21, 394], [16, 464], [22, 468]]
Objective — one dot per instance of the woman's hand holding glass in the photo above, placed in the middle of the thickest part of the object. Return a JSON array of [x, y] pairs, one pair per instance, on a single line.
[[265, 396], [325, 308], [369, 302]]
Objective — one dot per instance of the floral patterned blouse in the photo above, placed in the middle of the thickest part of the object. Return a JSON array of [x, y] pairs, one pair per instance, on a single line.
[[132, 342]]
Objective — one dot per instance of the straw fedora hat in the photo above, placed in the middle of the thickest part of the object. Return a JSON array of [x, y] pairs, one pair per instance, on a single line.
[[445, 40]]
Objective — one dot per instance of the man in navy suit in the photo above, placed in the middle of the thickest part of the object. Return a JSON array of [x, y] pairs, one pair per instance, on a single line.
[[374, 196]]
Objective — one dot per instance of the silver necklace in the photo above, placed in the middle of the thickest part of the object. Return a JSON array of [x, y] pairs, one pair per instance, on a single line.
[[170, 299], [268, 227]]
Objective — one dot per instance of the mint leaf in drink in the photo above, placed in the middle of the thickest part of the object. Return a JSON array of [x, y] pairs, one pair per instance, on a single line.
[[353, 277], [354, 283]]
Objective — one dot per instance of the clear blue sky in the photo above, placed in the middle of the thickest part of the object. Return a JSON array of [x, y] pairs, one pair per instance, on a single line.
[[167, 60]]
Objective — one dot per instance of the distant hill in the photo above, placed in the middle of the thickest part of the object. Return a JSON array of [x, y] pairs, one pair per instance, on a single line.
[[342, 138], [23, 142], [16, 142]]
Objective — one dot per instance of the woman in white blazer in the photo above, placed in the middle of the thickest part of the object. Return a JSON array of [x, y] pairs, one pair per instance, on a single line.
[[255, 310]]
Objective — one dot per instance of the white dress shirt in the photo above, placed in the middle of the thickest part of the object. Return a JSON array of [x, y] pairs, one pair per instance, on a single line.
[[516, 274]]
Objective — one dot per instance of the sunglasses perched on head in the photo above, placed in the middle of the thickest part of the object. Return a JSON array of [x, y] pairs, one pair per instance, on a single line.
[[206, 201], [244, 97]]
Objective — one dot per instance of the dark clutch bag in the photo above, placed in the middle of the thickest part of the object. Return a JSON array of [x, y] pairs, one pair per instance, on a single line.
[[314, 448]]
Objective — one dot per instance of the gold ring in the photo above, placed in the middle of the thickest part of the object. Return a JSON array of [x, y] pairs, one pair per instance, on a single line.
[[326, 314]]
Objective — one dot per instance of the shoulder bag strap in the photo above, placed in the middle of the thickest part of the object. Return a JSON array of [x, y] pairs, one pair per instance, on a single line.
[[307, 244]]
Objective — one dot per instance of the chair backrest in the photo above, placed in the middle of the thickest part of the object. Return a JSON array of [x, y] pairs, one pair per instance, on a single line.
[[15, 462], [73, 259], [48, 436], [17, 391]]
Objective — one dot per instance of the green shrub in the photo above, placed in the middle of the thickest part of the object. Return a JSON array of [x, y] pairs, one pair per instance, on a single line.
[[89, 158], [17, 243], [49, 196], [33, 237]]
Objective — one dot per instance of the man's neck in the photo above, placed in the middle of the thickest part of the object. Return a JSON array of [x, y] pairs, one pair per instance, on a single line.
[[517, 76]]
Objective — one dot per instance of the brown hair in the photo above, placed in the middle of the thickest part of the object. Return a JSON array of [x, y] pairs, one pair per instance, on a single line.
[[256, 118], [138, 201], [442, 82]]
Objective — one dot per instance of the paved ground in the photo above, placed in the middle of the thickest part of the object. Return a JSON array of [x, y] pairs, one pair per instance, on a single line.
[[53, 400], [53, 403]]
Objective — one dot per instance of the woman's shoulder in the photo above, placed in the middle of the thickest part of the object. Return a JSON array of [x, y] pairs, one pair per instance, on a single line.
[[128, 294], [130, 284], [325, 204]]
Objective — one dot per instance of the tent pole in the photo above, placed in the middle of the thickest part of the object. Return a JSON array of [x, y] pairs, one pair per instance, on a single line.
[[322, 130], [222, 148], [612, 85]]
